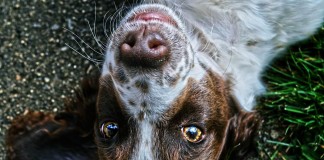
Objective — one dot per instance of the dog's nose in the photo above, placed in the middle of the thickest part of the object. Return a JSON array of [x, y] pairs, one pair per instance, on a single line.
[[145, 48]]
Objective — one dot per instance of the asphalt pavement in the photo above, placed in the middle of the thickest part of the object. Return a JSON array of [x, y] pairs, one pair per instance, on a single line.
[[39, 41]]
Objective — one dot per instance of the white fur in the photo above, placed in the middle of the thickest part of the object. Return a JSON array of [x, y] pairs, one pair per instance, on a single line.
[[160, 97], [145, 147], [230, 25], [237, 39]]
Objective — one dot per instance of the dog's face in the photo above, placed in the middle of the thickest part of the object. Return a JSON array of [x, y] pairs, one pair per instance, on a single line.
[[193, 126], [158, 99]]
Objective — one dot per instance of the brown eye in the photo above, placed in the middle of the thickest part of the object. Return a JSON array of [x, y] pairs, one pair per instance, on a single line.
[[192, 134], [109, 129]]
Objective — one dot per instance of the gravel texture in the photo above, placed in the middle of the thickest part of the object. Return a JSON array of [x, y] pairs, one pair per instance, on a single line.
[[38, 69]]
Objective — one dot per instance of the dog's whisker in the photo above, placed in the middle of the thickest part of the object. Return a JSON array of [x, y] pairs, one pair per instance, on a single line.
[[105, 21], [86, 56], [83, 42], [93, 31], [95, 37]]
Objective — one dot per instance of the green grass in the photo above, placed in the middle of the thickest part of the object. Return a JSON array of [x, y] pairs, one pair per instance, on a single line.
[[293, 108]]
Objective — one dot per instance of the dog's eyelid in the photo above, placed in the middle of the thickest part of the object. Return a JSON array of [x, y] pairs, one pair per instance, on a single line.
[[200, 124]]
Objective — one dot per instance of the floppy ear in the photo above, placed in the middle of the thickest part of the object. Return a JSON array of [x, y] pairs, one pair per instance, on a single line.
[[241, 132], [66, 135]]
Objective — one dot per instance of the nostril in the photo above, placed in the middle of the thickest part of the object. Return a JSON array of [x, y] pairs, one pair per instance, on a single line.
[[157, 48], [130, 40], [154, 44], [128, 47]]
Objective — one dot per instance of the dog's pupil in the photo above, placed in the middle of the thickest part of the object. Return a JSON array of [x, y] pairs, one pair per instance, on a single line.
[[192, 133], [111, 130]]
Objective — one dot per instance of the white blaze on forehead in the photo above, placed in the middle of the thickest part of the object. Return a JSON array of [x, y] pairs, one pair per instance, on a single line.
[[157, 100], [160, 98], [145, 145]]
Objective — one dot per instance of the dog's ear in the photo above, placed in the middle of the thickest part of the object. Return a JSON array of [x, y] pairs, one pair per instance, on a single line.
[[240, 136], [66, 135]]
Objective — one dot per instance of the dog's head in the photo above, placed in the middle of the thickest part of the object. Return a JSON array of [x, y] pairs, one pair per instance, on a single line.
[[161, 99]]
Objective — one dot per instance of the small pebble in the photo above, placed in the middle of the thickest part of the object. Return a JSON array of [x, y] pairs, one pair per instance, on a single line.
[[274, 134]]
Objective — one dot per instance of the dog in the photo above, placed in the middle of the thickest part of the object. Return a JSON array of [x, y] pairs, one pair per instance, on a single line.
[[179, 81]]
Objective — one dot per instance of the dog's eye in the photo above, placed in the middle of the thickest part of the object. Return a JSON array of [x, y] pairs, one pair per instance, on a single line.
[[109, 129], [192, 133]]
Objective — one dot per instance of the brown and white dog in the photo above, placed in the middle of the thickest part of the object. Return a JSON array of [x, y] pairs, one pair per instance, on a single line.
[[179, 81]]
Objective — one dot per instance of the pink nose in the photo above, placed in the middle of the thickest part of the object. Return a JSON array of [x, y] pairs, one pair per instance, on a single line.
[[145, 47]]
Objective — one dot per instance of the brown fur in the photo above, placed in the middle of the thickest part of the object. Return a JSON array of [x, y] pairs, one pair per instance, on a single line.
[[219, 117], [47, 136], [229, 132]]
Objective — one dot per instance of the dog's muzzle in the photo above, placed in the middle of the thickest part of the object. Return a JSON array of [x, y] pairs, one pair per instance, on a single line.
[[146, 46]]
